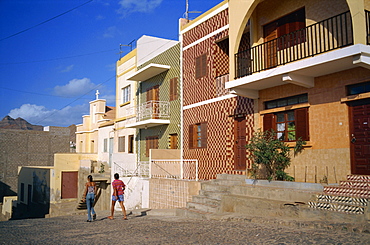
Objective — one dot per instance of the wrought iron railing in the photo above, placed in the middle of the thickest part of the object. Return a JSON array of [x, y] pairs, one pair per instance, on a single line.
[[367, 16], [174, 169], [332, 33], [128, 170], [153, 110]]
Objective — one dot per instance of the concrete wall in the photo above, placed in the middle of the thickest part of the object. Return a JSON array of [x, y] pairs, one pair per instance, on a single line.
[[28, 148]]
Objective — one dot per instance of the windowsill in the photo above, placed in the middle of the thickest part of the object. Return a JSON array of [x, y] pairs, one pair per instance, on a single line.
[[355, 97], [128, 102], [285, 108], [293, 144]]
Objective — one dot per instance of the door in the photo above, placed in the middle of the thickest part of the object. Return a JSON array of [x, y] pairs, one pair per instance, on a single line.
[[152, 98], [240, 142], [69, 184], [360, 137], [270, 34]]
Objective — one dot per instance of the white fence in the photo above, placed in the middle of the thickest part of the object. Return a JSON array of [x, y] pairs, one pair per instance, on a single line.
[[174, 169], [127, 170]]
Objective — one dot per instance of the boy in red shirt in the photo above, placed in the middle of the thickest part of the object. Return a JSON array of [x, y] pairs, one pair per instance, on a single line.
[[118, 191]]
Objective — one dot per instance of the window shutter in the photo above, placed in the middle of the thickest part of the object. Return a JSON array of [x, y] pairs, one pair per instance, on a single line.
[[203, 128], [204, 65], [191, 136], [301, 118], [197, 68], [268, 122], [171, 89], [175, 95]]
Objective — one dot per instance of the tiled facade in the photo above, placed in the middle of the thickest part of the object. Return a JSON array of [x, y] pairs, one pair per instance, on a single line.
[[169, 57], [202, 101], [330, 150]]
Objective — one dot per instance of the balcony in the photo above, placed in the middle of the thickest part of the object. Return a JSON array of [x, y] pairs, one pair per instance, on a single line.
[[319, 49], [150, 114]]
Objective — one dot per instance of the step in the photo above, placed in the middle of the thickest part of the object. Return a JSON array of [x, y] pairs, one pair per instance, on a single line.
[[337, 207], [342, 200], [231, 177], [206, 200], [216, 195], [203, 207], [210, 186], [228, 182], [348, 191], [277, 194], [364, 178], [355, 184]]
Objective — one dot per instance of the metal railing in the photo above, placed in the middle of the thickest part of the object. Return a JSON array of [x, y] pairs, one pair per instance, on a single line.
[[127, 170], [174, 169], [153, 110], [332, 33]]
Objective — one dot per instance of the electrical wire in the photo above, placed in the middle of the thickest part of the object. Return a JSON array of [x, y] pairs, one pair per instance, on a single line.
[[27, 29]]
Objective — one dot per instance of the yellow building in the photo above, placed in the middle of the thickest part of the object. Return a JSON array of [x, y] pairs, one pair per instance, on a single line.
[[306, 66]]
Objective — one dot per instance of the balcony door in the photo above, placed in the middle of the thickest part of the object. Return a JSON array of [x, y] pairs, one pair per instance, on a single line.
[[152, 98], [281, 34]]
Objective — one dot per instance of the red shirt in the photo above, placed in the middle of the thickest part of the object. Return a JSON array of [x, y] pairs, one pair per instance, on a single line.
[[118, 185]]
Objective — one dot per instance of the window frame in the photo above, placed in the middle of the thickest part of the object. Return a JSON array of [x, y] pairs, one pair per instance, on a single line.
[[301, 116], [130, 143], [126, 94], [198, 135], [121, 143], [201, 66]]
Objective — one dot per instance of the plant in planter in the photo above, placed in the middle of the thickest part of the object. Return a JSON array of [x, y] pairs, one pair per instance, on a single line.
[[271, 156]]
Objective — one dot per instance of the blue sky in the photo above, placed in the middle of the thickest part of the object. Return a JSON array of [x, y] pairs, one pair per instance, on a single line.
[[54, 54]]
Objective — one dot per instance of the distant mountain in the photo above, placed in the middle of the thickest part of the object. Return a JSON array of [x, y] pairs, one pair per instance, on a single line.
[[19, 123]]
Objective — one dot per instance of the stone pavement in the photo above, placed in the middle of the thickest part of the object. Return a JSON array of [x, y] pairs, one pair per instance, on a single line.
[[167, 229]]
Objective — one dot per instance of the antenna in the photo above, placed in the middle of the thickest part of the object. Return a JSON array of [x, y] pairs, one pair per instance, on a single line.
[[187, 12], [125, 45]]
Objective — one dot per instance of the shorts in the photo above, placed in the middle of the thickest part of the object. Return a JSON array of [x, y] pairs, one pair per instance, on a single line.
[[120, 198]]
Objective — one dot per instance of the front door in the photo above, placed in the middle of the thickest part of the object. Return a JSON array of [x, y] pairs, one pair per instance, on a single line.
[[69, 184], [240, 143], [360, 137]]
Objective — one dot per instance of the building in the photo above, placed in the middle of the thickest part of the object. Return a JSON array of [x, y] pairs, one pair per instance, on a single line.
[[216, 123], [307, 70], [28, 148]]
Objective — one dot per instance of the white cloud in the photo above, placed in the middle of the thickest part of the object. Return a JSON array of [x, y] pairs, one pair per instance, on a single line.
[[143, 6], [110, 99], [40, 115], [67, 69], [75, 87], [111, 32]]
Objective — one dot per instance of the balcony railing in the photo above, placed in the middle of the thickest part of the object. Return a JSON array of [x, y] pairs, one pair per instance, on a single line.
[[333, 33], [153, 110]]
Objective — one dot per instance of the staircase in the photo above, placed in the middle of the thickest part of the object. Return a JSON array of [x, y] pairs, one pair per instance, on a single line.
[[236, 196], [208, 202], [351, 196]]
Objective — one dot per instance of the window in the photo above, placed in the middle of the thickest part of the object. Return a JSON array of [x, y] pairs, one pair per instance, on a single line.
[[198, 135], [201, 66], [22, 192], [294, 100], [105, 145], [358, 88], [126, 94], [92, 143], [152, 142], [173, 89], [121, 144], [173, 141], [130, 144], [288, 125]]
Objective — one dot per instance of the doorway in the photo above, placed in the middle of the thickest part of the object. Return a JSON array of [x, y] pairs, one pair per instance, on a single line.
[[240, 142], [360, 136]]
